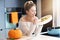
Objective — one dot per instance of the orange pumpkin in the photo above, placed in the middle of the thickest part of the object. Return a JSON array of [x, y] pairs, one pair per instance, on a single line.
[[15, 33]]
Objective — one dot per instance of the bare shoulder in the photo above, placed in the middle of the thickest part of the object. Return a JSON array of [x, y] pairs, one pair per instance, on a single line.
[[22, 19]]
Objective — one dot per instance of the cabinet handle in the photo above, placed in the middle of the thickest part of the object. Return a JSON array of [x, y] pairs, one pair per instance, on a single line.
[[1, 29]]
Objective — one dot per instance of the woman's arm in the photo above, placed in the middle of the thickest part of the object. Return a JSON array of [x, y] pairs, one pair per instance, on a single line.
[[38, 29], [32, 29]]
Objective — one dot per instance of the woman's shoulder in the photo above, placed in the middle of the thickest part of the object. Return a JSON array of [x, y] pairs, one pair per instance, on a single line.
[[22, 18]]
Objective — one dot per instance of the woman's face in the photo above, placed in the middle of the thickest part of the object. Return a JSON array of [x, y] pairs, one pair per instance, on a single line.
[[32, 11]]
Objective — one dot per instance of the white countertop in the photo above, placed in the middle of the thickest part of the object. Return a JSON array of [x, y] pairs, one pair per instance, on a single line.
[[39, 37]]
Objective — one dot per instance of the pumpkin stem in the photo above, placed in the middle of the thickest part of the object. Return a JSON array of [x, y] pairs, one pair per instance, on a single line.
[[12, 38], [14, 28]]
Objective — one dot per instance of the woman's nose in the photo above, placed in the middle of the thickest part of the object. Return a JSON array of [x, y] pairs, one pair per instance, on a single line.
[[34, 12]]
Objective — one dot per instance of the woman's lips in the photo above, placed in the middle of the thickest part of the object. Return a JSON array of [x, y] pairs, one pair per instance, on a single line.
[[33, 14]]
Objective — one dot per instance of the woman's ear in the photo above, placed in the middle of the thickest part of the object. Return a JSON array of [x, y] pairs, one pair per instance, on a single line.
[[26, 12]]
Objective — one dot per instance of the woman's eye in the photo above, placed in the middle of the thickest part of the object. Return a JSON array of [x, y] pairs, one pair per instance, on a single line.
[[33, 10]]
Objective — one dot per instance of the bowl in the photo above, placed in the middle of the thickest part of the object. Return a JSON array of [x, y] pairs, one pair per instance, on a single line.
[[53, 30]]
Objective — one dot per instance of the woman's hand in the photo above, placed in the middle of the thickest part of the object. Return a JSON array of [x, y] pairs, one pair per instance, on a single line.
[[35, 21]]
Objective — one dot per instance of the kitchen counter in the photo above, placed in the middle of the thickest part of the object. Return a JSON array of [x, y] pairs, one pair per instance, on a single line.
[[39, 37]]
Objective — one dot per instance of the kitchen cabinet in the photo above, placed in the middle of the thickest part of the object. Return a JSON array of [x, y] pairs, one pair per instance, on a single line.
[[12, 6], [2, 34], [46, 9], [4, 4], [2, 24], [2, 14], [14, 3]]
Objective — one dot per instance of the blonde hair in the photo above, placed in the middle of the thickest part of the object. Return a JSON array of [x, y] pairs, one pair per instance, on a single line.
[[28, 5]]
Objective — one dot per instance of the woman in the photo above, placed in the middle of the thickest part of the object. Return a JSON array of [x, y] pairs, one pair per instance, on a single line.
[[28, 23]]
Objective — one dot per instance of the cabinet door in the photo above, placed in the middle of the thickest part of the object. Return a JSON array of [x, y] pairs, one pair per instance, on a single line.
[[14, 3], [2, 35], [46, 9], [10, 3], [2, 25], [2, 14], [6, 32]]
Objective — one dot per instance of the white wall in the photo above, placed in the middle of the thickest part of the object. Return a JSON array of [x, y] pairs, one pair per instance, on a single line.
[[56, 13], [39, 8]]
